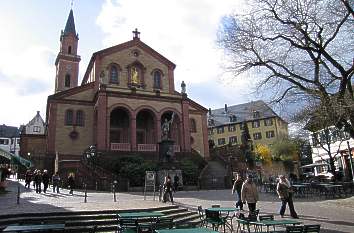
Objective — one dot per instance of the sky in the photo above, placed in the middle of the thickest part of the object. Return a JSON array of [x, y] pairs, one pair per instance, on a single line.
[[183, 31]]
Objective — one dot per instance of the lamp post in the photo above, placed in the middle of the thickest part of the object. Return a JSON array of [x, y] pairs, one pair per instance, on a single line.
[[350, 160]]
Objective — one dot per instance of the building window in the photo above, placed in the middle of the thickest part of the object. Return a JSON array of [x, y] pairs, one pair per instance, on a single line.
[[69, 117], [220, 129], [4, 141], [256, 114], [36, 129], [80, 118], [221, 141], [67, 80], [256, 124], [268, 122], [232, 128], [242, 126], [210, 131], [193, 126], [257, 136], [157, 80], [113, 75], [270, 134], [69, 50], [233, 140]]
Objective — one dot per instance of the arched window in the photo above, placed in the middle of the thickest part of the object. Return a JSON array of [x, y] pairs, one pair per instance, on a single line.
[[80, 118], [193, 126], [67, 80], [69, 50], [157, 80], [69, 117], [113, 74]]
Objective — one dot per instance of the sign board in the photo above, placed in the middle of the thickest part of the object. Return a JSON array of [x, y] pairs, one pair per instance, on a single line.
[[150, 181]]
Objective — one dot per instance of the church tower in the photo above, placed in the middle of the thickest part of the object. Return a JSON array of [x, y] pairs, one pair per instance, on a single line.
[[67, 62]]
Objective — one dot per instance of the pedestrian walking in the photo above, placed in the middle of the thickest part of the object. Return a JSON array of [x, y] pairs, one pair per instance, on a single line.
[[28, 178], [38, 181], [45, 180], [285, 193], [71, 183], [249, 194], [167, 189], [55, 182], [236, 188]]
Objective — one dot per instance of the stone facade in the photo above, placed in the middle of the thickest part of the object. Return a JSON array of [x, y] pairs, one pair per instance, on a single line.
[[126, 94]]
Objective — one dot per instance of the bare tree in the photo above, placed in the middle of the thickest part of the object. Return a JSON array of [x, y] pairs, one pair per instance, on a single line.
[[301, 49]]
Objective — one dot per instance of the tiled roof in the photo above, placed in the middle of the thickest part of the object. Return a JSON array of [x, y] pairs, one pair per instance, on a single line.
[[9, 131], [241, 113]]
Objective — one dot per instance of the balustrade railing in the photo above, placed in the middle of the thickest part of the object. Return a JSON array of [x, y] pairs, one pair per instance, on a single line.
[[147, 147], [121, 146]]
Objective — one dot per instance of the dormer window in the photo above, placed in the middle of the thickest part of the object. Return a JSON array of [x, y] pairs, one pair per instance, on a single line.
[[256, 114], [211, 122], [233, 118]]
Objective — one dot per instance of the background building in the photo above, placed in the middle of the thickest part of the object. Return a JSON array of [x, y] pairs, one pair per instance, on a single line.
[[226, 124], [335, 142], [33, 142], [10, 139]]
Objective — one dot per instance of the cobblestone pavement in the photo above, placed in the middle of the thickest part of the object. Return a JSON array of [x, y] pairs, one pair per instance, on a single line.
[[336, 215]]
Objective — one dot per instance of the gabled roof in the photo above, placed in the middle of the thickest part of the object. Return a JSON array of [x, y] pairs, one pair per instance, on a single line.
[[129, 44], [37, 116], [242, 112]]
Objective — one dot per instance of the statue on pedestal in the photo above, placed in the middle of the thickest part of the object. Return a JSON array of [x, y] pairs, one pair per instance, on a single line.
[[166, 128]]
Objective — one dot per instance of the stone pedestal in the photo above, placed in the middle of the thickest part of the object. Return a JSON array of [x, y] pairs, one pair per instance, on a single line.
[[166, 151]]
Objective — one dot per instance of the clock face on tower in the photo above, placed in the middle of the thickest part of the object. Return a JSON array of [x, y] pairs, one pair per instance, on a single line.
[[68, 67]]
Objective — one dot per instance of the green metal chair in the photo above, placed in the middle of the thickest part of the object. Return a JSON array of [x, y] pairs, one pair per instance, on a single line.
[[312, 228], [294, 229], [163, 223], [201, 215], [266, 217], [214, 218]]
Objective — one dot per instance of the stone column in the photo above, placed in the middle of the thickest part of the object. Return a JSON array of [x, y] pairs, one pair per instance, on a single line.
[[133, 133], [186, 135], [102, 121]]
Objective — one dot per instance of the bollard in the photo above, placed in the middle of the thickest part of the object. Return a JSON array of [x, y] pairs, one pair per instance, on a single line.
[[96, 185], [18, 194], [114, 193], [85, 193]]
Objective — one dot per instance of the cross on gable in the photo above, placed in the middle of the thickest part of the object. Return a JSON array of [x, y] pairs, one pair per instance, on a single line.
[[136, 34]]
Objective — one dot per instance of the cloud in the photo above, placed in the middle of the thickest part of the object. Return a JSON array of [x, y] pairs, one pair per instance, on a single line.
[[181, 30]]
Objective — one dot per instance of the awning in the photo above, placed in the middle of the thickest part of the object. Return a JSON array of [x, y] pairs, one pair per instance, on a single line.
[[15, 159], [314, 165]]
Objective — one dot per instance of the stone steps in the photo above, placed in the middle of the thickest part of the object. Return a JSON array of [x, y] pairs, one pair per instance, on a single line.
[[104, 221]]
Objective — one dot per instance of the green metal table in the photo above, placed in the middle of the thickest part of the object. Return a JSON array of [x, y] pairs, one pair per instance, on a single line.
[[187, 230], [140, 214], [36, 228]]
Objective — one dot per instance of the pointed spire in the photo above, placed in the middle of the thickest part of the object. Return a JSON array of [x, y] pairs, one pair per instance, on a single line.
[[70, 24]]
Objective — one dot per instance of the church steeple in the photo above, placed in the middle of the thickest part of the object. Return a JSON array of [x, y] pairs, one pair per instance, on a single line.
[[67, 62], [70, 24]]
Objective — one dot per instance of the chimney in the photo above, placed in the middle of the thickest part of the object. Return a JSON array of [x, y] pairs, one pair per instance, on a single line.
[[225, 108], [209, 111]]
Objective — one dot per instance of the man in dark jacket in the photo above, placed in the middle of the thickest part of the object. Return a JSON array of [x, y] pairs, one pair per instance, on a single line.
[[45, 180], [71, 183], [237, 188], [38, 181]]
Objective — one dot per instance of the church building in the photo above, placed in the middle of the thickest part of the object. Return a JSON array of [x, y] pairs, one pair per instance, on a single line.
[[126, 95]]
